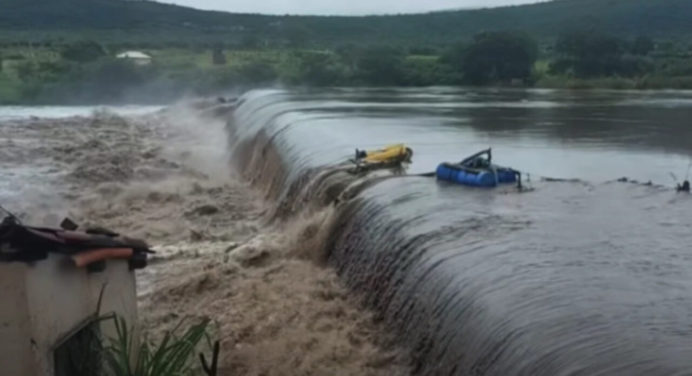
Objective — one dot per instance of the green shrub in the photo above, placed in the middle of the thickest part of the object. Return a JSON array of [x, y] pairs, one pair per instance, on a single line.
[[499, 57], [9, 93], [174, 355], [83, 51], [257, 72], [427, 71], [317, 69], [380, 66]]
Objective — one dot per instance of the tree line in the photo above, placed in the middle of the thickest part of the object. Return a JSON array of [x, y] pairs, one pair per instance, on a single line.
[[489, 58], [158, 22]]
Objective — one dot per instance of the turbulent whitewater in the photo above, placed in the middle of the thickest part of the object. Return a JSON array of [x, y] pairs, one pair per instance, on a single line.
[[582, 276]]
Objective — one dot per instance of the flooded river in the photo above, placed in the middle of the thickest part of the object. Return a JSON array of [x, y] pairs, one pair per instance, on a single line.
[[577, 277], [585, 277], [31, 174], [9, 113]]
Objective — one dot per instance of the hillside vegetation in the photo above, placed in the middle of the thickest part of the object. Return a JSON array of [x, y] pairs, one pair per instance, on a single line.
[[117, 19], [67, 50]]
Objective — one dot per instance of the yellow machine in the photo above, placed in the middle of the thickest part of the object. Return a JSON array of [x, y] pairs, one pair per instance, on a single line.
[[387, 157], [388, 154]]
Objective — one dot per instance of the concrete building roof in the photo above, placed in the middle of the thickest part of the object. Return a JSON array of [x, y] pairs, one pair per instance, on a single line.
[[133, 55]]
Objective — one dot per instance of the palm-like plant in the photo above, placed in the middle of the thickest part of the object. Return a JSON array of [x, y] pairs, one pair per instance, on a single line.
[[173, 356]]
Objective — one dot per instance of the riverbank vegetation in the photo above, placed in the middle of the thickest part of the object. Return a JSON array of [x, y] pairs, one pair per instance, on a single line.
[[173, 355], [88, 71], [51, 54]]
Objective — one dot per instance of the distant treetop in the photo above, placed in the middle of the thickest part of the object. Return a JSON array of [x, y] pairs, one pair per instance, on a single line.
[[118, 19]]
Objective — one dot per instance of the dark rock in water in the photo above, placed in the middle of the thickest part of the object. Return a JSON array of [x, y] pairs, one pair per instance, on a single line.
[[205, 210]]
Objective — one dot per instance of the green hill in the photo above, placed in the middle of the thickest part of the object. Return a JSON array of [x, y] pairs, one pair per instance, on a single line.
[[142, 20]]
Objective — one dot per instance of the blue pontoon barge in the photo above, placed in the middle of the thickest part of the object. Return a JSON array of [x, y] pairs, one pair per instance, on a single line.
[[478, 171]]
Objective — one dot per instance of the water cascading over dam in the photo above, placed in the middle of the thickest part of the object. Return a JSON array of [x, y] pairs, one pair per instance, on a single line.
[[583, 277]]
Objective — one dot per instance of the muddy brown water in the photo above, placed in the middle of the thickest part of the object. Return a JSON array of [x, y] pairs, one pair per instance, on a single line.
[[22, 174], [164, 177], [586, 277]]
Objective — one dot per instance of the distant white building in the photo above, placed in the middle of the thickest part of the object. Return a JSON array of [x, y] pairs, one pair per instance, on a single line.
[[139, 58]]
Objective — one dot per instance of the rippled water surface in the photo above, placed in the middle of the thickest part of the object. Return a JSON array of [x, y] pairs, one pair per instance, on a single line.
[[21, 174], [24, 112], [589, 277]]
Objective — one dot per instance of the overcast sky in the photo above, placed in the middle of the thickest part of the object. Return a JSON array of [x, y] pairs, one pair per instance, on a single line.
[[346, 7]]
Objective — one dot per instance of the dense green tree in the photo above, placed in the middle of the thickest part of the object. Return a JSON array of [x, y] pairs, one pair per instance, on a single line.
[[428, 71], [250, 41], [257, 72], [499, 57], [297, 35], [422, 50], [642, 46], [217, 56], [453, 56], [381, 66], [590, 54], [320, 69], [26, 70], [82, 51], [588, 45], [348, 54]]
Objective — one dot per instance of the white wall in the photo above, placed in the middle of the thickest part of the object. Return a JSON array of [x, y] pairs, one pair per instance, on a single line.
[[41, 304]]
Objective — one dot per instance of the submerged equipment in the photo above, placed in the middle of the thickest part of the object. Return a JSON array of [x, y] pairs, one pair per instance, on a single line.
[[478, 171], [392, 153], [387, 157]]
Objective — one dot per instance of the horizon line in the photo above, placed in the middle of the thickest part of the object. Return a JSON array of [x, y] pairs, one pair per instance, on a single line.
[[404, 13]]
